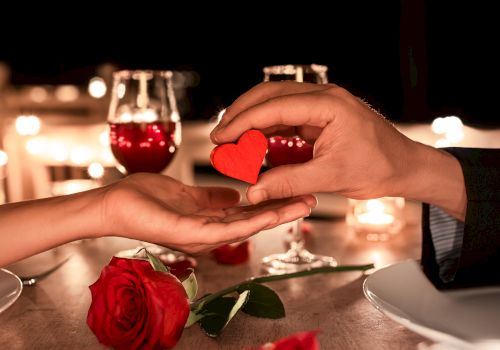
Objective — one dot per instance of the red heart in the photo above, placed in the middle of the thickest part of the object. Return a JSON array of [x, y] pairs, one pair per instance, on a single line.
[[243, 160]]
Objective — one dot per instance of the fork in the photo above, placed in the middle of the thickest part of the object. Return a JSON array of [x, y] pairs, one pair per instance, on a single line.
[[33, 279]]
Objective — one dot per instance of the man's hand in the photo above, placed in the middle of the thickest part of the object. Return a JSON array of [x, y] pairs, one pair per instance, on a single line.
[[357, 152]]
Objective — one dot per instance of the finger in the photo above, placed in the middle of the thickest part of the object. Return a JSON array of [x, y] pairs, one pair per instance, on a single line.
[[285, 181], [267, 90], [290, 213], [249, 211], [215, 197], [285, 213], [309, 199], [222, 232], [243, 228], [263, 92], [313, 109], [282, 211]]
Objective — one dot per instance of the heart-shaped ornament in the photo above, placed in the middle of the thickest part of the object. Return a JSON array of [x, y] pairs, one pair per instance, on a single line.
[[242, 160]]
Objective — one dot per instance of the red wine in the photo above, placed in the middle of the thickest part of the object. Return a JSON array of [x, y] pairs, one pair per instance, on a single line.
[[288, 150], [143, 147]]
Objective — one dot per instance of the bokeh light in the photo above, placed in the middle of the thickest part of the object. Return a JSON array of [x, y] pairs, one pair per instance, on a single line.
[[28, 125], [95, 170], [4, 158], [97, 87]]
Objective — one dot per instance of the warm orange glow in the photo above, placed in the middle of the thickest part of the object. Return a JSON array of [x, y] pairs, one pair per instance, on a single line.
[[375, 214], [81, 155], [67, 93], [58, 151], [4, 158], [28, 125], [97, 87], [95, 170], [38, 94]]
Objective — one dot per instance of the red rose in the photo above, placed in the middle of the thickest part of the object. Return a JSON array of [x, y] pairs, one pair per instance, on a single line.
[[232, 254], [135, 307], [297, 341]]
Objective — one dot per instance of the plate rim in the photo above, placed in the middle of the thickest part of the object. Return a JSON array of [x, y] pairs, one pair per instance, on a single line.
[[17, 294], [406, 320]]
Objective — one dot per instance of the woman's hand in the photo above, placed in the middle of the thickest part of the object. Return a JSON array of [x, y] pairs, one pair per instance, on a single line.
[[147, 207], [357, 153], [161, 210]]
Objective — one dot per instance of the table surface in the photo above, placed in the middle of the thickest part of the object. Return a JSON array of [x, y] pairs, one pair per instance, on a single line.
[[52, 314]]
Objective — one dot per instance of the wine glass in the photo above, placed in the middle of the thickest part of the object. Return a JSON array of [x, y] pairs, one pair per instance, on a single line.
[[143, 119], [144, 125], [293, 150]]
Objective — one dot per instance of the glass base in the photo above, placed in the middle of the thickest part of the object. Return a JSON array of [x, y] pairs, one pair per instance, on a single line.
[[293, 261]]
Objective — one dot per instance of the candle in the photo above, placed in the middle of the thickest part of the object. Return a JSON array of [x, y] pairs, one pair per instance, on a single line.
[[375, 214], [376, 219]]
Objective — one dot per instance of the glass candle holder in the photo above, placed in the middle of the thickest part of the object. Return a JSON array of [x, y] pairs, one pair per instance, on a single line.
[[376, 219]]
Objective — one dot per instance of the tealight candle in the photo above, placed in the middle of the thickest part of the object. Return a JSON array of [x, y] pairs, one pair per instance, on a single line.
[[375, 214], [376, 219]]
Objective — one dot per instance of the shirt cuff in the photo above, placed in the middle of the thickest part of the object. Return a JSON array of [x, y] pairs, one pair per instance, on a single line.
[[447, 236]]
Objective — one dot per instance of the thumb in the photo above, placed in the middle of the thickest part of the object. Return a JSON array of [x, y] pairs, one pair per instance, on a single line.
[[283, 182]]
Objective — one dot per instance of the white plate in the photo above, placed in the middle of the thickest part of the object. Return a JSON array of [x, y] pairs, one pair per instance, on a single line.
[[464, 318], [10, 289]]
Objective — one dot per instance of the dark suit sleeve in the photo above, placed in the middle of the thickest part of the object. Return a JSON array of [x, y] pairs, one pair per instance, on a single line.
[[480, 256]]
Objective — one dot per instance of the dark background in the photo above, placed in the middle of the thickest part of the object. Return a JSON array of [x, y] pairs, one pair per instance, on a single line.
[[412, 60]]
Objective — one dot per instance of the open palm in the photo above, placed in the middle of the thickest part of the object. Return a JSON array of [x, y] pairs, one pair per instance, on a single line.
[[161, 210]]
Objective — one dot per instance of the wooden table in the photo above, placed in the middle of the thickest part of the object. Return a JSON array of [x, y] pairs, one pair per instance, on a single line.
[[52, 314]]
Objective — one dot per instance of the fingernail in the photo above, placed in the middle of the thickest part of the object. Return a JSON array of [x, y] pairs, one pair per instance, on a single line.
[[214, 133], [257, 196], [214, 137], [222, 122], [314, 202], [215, 129]]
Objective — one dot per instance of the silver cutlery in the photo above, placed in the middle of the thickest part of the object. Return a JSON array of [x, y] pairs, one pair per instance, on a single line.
[[33, 279]]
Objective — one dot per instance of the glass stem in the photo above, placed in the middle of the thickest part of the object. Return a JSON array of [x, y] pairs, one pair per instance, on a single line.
[[297, 243]]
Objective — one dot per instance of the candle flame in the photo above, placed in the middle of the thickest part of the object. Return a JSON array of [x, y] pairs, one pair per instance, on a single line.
[[375, 214]]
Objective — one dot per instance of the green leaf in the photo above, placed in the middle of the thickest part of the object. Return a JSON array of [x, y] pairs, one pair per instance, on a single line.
[[193, 318], [156, 263], [270, 278], [191, 286], [242, 300], [220, 311], [263, 301], [216, 314]]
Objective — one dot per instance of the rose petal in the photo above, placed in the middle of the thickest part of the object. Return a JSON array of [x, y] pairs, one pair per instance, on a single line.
[[232, 254], [168, 307], [297, 341]]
